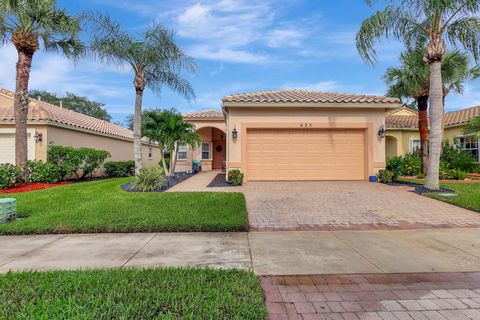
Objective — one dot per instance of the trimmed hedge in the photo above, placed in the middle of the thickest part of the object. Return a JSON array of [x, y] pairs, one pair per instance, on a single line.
[[9, 173], [119, 168], [39, 171]]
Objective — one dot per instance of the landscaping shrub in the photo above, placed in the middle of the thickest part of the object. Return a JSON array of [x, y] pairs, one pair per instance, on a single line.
[[119, 168], [76, 161], [456, 158], [9, 174], [394, 165], [458, 174], [411, 165], [235, 177], [386, 176], [92, 160], [39, 171], [150, 180]]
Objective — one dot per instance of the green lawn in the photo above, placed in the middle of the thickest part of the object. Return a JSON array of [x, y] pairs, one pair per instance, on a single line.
[[171, 293], [102, 206], [468, 194]]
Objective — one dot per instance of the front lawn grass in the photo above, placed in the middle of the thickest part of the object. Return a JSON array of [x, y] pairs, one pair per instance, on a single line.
[[102, 206], [468, 194], [172, 293]]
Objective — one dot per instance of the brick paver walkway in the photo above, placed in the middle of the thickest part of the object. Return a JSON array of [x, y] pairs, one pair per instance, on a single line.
[[437, 296], [347, 205]]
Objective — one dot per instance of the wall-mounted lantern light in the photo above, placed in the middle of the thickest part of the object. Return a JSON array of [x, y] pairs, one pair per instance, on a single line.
[[381, 132], [234, 134], [38, 137]]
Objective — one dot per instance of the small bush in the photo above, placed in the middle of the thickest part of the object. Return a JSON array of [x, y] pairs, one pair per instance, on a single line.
[[411, 165], [39, 171], [92, 160], [394, 165], [456, 158], [458, 174], [150, 180], [235, 177], [9, 174], [386, 176], [119, 168]]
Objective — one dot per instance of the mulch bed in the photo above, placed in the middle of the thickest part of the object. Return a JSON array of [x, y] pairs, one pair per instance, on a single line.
[[219, 182], [32, 186], [171, 181], [419, 189]]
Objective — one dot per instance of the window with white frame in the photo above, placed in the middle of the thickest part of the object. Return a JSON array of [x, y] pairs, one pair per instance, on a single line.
[[470, 144], [150, 152], [206, 151], [415, 145], [182, 152]]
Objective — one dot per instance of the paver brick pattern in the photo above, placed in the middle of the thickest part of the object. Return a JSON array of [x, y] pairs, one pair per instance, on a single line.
[[442, 296], [347, 205]]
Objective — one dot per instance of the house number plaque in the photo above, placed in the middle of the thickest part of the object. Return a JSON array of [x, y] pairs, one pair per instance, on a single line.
[[305, 125]]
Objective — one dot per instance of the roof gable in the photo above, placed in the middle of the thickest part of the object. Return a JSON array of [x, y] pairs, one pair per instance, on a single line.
[[204, 115]]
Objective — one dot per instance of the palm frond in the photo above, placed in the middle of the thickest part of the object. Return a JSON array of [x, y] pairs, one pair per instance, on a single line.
[[466, 32]]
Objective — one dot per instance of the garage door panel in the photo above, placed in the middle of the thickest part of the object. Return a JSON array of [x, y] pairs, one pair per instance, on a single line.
[[299, 154]]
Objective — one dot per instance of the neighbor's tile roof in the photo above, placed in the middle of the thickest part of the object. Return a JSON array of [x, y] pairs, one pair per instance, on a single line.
[[304, 96], [204, 115], [42, 111], [451, 118]]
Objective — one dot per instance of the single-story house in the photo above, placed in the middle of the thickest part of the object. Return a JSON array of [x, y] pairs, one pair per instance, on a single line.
[[48, 123], [402, 136], [293, 135]]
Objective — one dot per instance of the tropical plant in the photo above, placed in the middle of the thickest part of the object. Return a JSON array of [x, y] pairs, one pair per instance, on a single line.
[[149, 180], [412, 80], [169, 130], [235, 177], [430, 23], [386, 176], [31, 25], [154, 58], [9, 173], [119, 168], [39, 171], [74, 102], [473, 126]]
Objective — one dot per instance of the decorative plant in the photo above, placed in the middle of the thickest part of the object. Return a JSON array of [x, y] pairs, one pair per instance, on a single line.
[[150, 180], [386, 176], [119, 168], [39, 171], [9, 173], [235, 177]]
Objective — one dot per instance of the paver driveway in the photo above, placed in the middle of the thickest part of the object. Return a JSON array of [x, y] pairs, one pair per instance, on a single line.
[[342, 205]]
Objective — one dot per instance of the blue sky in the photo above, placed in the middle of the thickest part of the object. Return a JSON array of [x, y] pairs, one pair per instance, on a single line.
[[239, 46]]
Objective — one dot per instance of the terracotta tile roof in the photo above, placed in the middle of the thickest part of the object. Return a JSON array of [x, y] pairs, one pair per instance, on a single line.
[[303, 96], [204, 115], [452, 118], [6, 92], [42, 111]]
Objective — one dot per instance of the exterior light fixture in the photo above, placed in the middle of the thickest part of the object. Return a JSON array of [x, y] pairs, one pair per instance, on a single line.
[[381, 132], [234, 133], [38, 137]]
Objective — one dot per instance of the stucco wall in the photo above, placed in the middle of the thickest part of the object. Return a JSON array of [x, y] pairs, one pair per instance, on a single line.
[[38, 149], [369, 119], [120, 150]]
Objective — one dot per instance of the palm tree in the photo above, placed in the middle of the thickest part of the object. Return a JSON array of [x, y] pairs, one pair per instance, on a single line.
[[169, 130], [412, 80], [473, 126], [154, 58], [31, 25], [430, 22]]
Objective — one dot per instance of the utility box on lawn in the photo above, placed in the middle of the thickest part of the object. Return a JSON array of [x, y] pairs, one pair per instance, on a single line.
[[8, 210]]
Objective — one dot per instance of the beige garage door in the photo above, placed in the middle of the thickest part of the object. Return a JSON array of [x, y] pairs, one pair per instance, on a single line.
[[305, 154], [7, 148]]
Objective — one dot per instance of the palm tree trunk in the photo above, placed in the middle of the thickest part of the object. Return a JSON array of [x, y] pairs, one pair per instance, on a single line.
[[436, 125], [164, 163], [137, 131], [422, 103], [173, 160], [20, 107]]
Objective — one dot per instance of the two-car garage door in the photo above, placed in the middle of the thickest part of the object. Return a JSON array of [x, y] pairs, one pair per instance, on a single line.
[[305, 154]]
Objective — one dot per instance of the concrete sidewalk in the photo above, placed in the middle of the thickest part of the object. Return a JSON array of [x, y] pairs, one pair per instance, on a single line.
[[266, 253]]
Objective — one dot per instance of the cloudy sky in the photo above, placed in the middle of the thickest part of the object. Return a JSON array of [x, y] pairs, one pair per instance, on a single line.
[[239, 45]]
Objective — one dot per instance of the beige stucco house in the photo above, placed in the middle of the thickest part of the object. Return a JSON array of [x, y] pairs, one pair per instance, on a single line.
[[403, 137], [52, 124], [293, 135]]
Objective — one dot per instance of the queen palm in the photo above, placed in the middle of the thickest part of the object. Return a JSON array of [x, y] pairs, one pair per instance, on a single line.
[[412, 80], [168, 128], [31, 25], [153, 57], [430, 22]]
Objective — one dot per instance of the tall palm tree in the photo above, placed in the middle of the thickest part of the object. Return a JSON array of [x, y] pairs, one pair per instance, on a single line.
[[31, 25], [412, 80], [154, 58], [169, 130], [430, 22]]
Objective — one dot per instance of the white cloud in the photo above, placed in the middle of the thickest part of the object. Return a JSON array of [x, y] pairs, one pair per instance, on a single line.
[[226, 54], [286, 38], [8, 56], [469, 98]]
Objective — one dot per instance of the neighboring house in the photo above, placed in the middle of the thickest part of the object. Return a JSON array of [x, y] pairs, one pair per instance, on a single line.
[[403, 136], [293, 135], [48, 123]]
